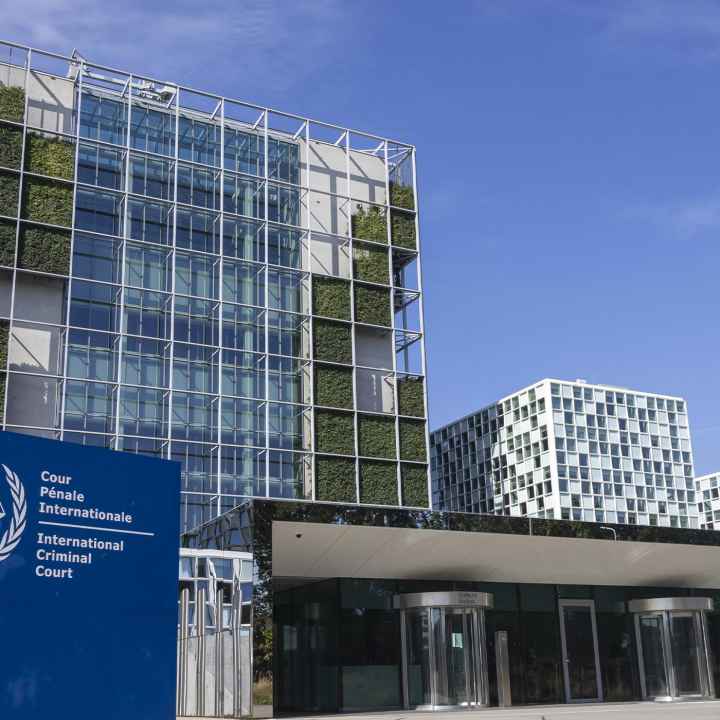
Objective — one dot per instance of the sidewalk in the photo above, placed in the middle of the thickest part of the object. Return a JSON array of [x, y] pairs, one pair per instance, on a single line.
[[701, 710]]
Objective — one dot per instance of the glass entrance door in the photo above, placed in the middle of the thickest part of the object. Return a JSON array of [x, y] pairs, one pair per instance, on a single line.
[[685, 640], [444, 660], [581, 661], [459, 660], [673, 654], [651, 640], [458, 663]]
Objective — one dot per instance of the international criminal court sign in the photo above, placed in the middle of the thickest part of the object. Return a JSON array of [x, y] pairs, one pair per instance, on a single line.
[[88, 582]]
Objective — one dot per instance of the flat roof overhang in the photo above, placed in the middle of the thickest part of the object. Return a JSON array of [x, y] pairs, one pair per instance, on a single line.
[[308, 549]]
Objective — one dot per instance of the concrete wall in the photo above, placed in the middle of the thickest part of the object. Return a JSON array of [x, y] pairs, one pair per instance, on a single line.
[[375, 391], [373, 348], [328, 174], [39, 299], [330, 256], [35, 348], [50, 102], [50, 99], [33, 400]]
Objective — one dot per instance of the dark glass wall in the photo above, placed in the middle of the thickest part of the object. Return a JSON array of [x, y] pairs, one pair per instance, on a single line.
[[338, 645], [540, 638], [306, 632], [616, 641], [370, 649]]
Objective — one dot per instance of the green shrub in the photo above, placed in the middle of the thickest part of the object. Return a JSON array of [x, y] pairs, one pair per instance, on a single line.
[[9, 188], [377, 436], [334, 432], [10, 146], [403, 229], [333, 386], [335, 479], [412, 440], [370, 263], [414, 485], [402, 196], [51, 156], [44, 249], [7, 243], [331, 297], [369, 223], [332, 341], [411, 396], [47, 201], [372, 305], [12, 103], [378, 483]]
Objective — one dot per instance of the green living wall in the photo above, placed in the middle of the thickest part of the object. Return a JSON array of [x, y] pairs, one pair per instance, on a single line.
[[335, 479], [376, 436], [403, 229], [414, 485], [7, 243], [411, 396], [53, 156], [370, 263], [334, 432], [332, 341], [333, 386], [331, 297], [372, 305], [412, 440], [402, 196], [44, 249], [10, 146], [47, 201], [4, 337], [12, 103], [378, 483], [9, 189], [369, 223]]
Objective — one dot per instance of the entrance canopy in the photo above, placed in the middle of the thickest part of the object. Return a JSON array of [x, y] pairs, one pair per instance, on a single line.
[[325, 550]]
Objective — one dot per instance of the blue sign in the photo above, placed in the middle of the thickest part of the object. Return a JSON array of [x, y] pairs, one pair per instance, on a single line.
[[88, 582]]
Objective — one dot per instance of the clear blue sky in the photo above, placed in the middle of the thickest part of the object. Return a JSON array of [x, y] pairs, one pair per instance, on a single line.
[[568, 156]]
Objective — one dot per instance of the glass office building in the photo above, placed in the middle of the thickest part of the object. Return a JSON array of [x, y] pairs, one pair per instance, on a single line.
[[707, 490], [573, 451], [201, 279], [193, 277]]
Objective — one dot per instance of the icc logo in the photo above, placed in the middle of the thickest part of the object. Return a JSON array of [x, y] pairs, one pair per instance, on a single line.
[[12, 532]]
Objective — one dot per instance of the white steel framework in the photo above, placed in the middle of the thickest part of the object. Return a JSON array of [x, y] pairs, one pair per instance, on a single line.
[[184, 324]]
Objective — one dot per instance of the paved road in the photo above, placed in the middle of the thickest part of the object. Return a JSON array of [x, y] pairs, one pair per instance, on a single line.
[[607, 711]]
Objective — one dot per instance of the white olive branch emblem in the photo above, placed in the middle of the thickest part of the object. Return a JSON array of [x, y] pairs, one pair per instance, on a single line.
[[11, 537]]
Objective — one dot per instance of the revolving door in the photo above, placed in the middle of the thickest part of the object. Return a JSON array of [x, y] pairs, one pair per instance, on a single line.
[[673, 650], [443, 649]]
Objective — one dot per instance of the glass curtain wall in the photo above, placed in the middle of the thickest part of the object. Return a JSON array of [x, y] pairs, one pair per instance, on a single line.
[[164, 288], [339, 643]]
